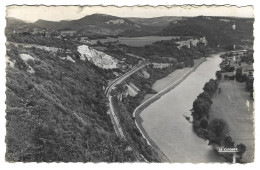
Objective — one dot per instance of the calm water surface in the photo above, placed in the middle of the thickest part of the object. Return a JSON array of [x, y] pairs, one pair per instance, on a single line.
[[166, 125]]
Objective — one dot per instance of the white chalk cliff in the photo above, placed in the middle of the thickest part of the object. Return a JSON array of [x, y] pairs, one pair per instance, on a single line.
[[100, 59]]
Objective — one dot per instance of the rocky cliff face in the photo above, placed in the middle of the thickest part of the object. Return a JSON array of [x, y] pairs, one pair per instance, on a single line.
[[100, 59]]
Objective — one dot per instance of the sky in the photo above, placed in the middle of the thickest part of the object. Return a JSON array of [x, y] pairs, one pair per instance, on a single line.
[[57, 13]]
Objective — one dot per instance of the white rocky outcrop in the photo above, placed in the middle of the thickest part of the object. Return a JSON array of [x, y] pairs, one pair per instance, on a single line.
[[116, 21], [9, 62], [26, 57], [100, 59], [68, 58], [30, 70]]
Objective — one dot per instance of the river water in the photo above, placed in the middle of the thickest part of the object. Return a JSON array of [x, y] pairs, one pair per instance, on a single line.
[[166, 125]]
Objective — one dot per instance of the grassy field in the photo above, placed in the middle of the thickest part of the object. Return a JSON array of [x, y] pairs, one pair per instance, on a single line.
[[165, 82], [161, 84], [234, 105]]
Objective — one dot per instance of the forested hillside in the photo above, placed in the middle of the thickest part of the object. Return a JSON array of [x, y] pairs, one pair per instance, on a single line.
[[57, 111], [217, 30]]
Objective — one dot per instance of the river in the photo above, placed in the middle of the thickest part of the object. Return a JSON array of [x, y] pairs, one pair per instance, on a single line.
[[166, 125]]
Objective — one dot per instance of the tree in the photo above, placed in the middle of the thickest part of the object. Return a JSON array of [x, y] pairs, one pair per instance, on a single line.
[[120, 88], [210, 87], [241, 149], [201, 108], [218, 129], [239, 76], [99, 42], [218, 75], [204, 123], [228, 142], [249, 84], [205, 95]]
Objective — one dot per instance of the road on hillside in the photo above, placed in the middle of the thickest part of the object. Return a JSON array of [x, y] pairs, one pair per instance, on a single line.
[[111, 112]]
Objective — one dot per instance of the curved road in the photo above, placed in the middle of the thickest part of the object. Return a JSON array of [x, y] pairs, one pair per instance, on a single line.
[[111, 111]]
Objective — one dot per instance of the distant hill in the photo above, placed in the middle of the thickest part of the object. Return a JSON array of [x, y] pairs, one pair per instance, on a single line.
[[101, 24], [92, 24], [155, 24], [156, 21], [217, 30], [13, 24]]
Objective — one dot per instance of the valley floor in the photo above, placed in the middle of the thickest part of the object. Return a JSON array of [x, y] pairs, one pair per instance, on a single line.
[[234, 105], [161, 84]]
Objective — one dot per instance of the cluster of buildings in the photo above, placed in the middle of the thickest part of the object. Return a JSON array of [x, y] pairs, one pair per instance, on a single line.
[[45, 32], [191, 42], [68, 33], [161, 65], [234, 59], [34, 32], [130, 90]]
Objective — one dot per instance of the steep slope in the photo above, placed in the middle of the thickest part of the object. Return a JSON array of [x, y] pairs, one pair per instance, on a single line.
[[52, 115], [57, 110]]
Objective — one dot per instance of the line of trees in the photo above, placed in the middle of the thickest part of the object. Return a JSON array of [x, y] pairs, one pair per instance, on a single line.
[[203, 102], [45, 41], [216, 131]]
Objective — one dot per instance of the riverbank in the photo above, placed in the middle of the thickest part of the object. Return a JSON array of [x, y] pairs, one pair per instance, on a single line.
[[233, 106], [177, 79], [236, 108], [163, 83]]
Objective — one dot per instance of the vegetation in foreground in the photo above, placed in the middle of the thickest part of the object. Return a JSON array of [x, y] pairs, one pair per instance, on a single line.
[[53, 116]]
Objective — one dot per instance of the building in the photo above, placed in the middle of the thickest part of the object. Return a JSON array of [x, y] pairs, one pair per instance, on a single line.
[[191, 42], [161, 65], [68, 33], [84, 40], [247, 69]]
